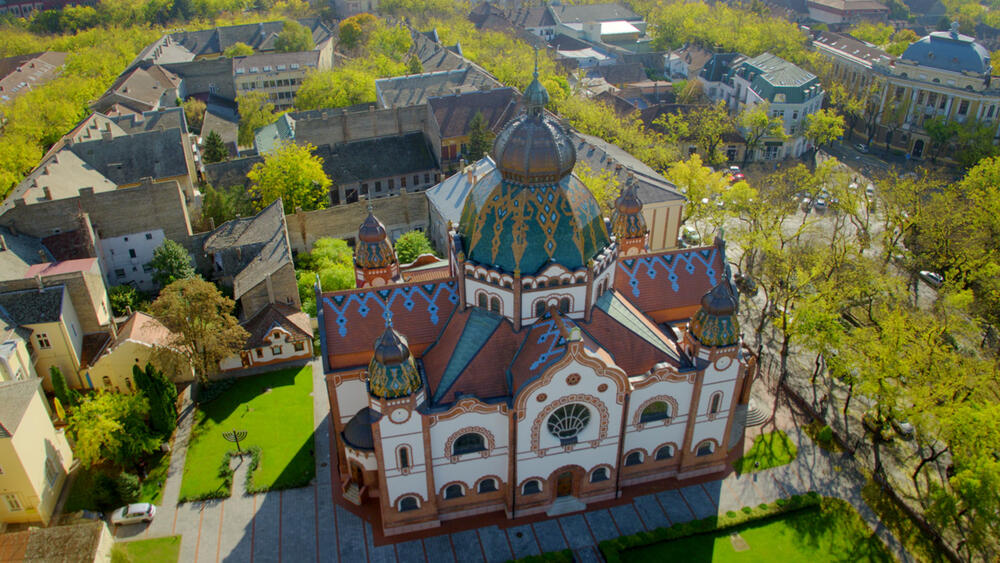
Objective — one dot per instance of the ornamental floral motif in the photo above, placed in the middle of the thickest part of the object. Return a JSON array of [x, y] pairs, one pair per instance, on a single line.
[[542, 417]]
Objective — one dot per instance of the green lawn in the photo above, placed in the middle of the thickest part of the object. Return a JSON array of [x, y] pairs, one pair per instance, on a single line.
[[276, 411], [768, 450], [830, 532], [158, 550]]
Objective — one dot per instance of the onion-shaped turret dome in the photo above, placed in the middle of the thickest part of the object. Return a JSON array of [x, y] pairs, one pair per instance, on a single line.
[[628, 221], [715, 323], [392, 372], [373, 249]]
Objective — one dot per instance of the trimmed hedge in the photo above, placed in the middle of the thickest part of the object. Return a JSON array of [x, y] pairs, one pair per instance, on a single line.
[[226, 490], [612, 549]]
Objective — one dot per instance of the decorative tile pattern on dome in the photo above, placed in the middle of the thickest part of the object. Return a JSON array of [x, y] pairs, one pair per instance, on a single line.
[[424, 297], [664, 266], [393, 381], [715, 330]]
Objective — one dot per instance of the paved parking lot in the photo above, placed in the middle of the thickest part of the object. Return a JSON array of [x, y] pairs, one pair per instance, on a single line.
[[301, 525]]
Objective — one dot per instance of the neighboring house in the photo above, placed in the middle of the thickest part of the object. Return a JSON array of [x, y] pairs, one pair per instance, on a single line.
[[434, 56], [82, 278], [278, 334], [379, 167], [252, 256], [927, 12], [94, 224], [141, 339], [347, 8], [945, 74], [557, 367], [454, 114], [87, 542], [847, 11], [279, 75], [16, 358], [620, 75], [183, 46], [535, 19], [35, 457], [792, 94], [416, 89], [686, 62], [22, 73], [140, 90], [56, 335]]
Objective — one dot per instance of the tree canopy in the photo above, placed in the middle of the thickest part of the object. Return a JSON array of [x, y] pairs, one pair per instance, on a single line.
[[411, 245], [171, 262], [111, 427], [293, 173], [294, 37], [333, 261]]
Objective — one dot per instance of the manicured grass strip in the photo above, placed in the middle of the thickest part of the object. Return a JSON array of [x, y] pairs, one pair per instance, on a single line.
[[768, 450], [157, 550], [832, 531], [156, 477], [276, 411]]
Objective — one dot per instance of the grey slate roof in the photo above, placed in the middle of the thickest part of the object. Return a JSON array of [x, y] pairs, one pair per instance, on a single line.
[[382, 157], [718, 66], [126, 160], [623, 73], [532, 16], [167, 118], [260, 36], [21, 252], [594, 13], [204, 76], [416, 88], [231, 172], [434, 56], [251, 248], [33, 306], [15, 396], [850, 46], [358, 431], [454, 113]]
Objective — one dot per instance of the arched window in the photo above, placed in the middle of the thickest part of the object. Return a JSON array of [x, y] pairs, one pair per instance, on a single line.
[[666, 452], [482, 300], [599, 474], [404, 457], [454, 491], [568, 421], [495, 304], [634, 458], [541, 284], [531, 487], [659, 410], [539, 309], [705, 448], [487, 485], [408, 503], [715, 403], [469, 443], [564, 305]]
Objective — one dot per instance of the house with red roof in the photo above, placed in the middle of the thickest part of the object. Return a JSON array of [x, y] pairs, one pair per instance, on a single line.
[[556, 361]]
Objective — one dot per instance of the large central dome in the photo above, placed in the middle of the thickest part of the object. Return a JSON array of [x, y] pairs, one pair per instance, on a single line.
[[538, 212]]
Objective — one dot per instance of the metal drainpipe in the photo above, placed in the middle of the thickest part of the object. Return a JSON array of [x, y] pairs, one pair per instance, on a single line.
[[621, 448], [513, 486]]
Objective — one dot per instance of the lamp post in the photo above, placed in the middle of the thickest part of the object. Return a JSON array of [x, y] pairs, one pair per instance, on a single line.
[[235, 436]]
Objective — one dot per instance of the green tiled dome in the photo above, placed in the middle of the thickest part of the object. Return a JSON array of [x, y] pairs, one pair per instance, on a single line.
[[628, 221], [392, 372], [715, 323]]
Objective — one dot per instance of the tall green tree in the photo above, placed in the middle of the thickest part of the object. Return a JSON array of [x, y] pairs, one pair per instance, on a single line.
[[111, 427], [171, 262], [256, 111], [238, 49], [293, 173], [194, 112], [294, 37], [123, 298], [203, 322], [65, 395], [162, 397], [480, 138], [757, 124], [333, 262], [824, 127], [225, 204], [339, 87], [411, 245], [215, 149]]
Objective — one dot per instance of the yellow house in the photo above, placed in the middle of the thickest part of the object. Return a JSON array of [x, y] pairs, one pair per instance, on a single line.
[[141, 339], [56, 335], [34, 457]]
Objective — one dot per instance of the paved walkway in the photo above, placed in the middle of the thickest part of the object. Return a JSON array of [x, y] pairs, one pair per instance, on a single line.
[[305, 525]]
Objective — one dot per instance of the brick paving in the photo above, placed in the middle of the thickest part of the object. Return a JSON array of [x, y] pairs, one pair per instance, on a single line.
[[305, 524]]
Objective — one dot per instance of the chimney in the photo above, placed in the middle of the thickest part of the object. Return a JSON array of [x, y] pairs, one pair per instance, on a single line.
[[106, 134], [471, 173], [38, 281], [47, 192], [239, 253], [3, 243]]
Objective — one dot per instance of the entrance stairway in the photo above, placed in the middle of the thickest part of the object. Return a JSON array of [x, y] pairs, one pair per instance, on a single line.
[[756, 416], [353, 493], [565, 505]]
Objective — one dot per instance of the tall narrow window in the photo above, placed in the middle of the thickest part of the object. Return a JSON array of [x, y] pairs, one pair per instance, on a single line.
[[495, 304], [404, 458], [482, 300], [564, 305], [715, 404], [539, 308]]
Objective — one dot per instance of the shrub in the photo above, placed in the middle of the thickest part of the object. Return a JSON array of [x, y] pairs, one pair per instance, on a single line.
[[128, 488], [105, 493], [730, 514], [747, 510], [825, 434], [763, 506]]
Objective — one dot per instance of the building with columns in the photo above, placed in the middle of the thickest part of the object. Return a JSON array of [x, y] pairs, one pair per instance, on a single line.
[[554, 362]]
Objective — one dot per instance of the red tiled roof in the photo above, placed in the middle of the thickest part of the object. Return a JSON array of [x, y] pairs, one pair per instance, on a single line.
[[64, 267], [629, 351], [673, 279], [353, 318]]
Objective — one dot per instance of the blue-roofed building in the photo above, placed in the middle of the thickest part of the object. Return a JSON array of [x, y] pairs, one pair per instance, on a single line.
[[946, 75], [546, 365]]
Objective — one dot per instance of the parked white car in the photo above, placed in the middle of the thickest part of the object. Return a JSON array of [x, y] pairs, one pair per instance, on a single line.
[[133, 514], [932, 278]]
